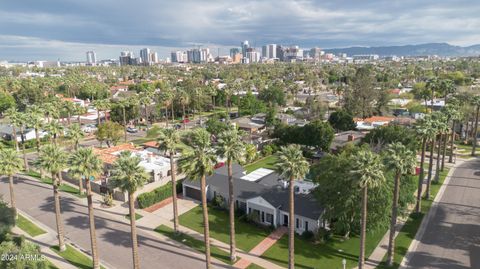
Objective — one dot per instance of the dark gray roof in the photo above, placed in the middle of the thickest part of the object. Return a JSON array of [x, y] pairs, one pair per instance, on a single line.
[[268, 187]]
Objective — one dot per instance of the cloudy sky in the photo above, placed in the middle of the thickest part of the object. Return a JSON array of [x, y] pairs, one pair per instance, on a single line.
[[65, 29]]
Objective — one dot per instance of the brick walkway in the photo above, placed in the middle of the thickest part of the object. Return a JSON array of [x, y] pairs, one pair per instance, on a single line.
[[263, 246]]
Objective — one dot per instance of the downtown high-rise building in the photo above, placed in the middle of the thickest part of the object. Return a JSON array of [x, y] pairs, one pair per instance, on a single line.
[[145, 56], [245, 46], [269, 51], [91, 58]]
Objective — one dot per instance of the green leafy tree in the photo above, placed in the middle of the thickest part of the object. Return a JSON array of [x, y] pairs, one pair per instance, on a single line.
[[109, 132], [476, 103], [231, 147], [382, 136], [6, 101], [14, 118], [250, 105], [342, 121], [197, 164], [21, 248], [53, 160], [86, 166], [291, 166], [128, 176]]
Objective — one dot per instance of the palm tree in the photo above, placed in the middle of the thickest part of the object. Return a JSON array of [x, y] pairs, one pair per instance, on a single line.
[[123, 104], [423, 131], [402, 161], [54, 129], [101, 105], [10, 164], [476, 103], [166, 98], [69, 109], [168, 141], [53, 159], [433, 130], [75, 134], [457, 115], [368, 168], [198, 164], [145, 99], [85, 164], [432, 85], [447, 87], [184, 99], [231, 147], [442, 128], [291, 165], [128, 176], [34, 119], [22, 120], [14, 117]]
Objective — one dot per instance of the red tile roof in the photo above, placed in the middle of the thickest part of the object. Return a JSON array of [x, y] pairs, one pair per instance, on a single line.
[[107, 154]]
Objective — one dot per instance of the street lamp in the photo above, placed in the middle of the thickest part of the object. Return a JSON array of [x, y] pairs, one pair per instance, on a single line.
[[344, 263]]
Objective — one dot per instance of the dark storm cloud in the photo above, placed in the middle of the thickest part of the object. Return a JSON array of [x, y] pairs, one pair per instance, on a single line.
[[32, 26]]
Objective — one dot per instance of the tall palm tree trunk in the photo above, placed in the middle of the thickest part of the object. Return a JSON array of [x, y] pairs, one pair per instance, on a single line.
[[12, 195], [474, 143], [80, 186], [91, 218], [363, 229], [173, 175], [291, 226], [437, 165], [452, 141], [58, 216], [421, 176], [133, 229], [14, 130], [173, 113], [430, 167], [98, 117], [124, 124], [206, 228], [166, 116], [147, 118], [444, 150], [37, 144], [25, 161], [184, 123], [393, 221], [68, 119], [231, 207]]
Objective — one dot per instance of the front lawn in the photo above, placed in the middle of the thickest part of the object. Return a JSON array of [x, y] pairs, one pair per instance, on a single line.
[[267, 162], [324, 255], [29, 227], [75, 257], [409, 230], [194, 243], [247, 235], [137, 216]]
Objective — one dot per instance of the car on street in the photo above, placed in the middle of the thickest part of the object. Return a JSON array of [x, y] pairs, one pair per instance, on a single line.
[[132, 130]]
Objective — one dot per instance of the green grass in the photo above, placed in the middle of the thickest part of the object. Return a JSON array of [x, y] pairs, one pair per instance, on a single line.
[[50, 265], [194, 243], [409, 230], [75, 257], [267, 162], [324, 255], [254, 266], [63, 187], [137, 216], [247, 235], [29, 227]]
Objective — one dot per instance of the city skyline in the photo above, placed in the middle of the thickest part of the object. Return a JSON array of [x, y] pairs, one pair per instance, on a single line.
[[61, 30]]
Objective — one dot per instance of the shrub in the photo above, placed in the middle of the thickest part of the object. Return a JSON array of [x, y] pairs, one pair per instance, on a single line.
[[307, 235], [157, 195]]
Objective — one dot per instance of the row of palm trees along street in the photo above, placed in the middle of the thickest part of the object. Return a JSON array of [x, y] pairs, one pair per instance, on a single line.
[[435, 130]]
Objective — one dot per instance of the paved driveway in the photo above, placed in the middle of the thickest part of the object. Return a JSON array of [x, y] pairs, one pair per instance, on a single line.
[[452, 237], [113, 233]]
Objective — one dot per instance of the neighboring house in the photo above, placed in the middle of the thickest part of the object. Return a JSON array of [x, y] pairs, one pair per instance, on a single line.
[[372, 122], [6, 132], [343, 138], [264, 195], [249, 125], [437, 103]]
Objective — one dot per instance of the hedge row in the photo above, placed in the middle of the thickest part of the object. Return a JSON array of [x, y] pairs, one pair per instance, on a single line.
[[157, 195]]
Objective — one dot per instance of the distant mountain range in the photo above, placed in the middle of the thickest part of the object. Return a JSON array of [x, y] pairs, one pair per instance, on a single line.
[[440, 49]]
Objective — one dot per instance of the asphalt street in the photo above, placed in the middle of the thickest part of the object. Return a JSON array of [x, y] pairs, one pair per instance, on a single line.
[[113, 234], [452, 236]]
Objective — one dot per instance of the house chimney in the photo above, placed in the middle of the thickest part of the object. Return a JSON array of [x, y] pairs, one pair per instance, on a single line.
[[351, 137]]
